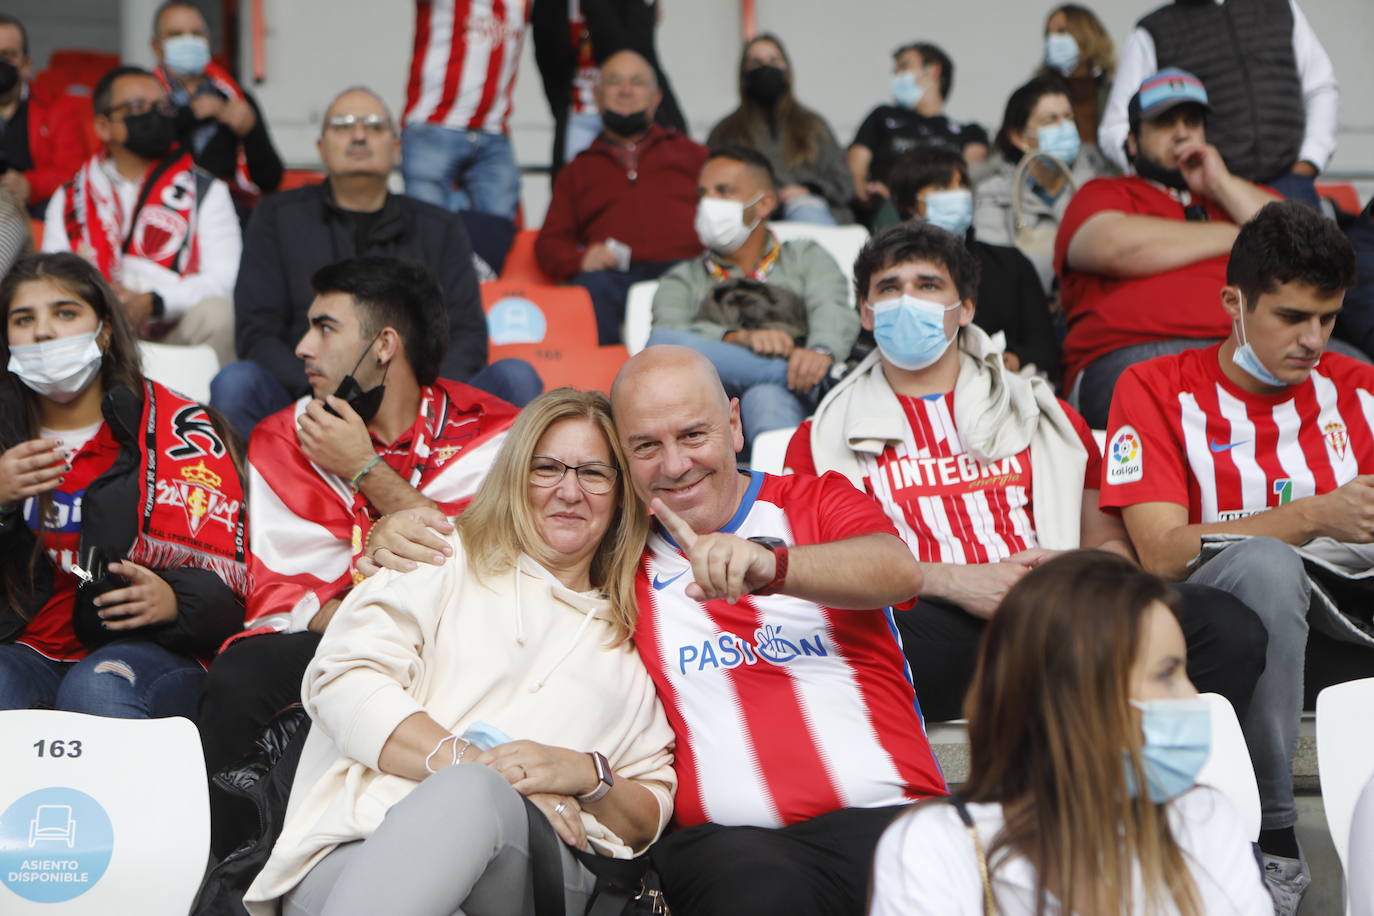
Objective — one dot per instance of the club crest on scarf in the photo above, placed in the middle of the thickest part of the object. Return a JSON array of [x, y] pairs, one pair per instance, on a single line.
[[199, 495]]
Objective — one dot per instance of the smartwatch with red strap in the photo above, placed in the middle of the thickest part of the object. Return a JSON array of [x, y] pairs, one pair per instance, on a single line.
[[779, 548]]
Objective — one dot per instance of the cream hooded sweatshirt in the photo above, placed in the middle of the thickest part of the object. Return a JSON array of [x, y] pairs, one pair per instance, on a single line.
[[518, 651]]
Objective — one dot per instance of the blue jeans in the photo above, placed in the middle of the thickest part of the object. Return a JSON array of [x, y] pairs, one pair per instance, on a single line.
[[482, 163], [808, 208], [582, 129], [1302, 188], [128, 679], [760, 382], [246, 393], [608, 289]]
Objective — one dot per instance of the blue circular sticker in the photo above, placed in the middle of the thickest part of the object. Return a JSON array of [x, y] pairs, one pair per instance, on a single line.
[[55, 844], [514, 320]]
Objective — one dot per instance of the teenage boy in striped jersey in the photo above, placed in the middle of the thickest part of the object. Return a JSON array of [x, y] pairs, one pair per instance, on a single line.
[[983, 473], [1263, 435]]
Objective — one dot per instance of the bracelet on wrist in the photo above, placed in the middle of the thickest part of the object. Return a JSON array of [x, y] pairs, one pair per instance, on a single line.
[[367, 468]]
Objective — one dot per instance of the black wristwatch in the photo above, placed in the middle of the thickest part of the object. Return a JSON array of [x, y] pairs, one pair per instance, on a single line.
[[159, 307], [603, 774]]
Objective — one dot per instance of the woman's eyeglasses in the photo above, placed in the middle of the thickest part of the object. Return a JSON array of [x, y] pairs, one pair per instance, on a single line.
[[594, 477]]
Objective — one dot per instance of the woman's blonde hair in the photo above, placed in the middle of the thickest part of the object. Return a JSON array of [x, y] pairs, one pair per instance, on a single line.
[[499, 523], [1095, 45], [1053, 737]]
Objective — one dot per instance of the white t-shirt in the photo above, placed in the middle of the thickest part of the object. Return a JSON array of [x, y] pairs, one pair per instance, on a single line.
[[73, 440], [926, 864]]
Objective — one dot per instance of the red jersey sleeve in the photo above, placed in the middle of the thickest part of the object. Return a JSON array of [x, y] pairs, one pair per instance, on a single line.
[[1096, 196], [1092, 474], [848, 513], [799, 459], [1145, 461]]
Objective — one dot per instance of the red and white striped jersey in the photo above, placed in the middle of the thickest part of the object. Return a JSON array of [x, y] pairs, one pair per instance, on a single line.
[[587, 74], [1181, 432], [783, 709], [464, 62], [948, 507], [308, 527]]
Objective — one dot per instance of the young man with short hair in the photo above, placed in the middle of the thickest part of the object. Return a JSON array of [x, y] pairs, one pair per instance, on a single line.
[[1267, 437], [378, 432], [984, 473]]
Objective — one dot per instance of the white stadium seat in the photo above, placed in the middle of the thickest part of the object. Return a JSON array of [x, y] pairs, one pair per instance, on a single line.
[[185, 370], [100, 816]]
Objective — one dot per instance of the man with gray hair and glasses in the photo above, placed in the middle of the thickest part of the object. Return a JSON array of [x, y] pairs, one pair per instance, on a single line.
[[295, 233]]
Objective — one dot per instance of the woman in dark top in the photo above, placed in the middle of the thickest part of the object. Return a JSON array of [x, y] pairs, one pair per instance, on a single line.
[[813, 181]]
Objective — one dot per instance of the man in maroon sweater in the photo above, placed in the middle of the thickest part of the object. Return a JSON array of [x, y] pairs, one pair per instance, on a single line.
[[623, 210]]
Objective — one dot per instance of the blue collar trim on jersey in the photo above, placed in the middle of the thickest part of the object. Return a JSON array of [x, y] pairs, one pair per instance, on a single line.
[[745, 504]]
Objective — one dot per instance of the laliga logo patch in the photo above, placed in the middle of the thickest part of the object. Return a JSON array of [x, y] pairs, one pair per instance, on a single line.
[[160, 233], [1125, 457], [514, 320]]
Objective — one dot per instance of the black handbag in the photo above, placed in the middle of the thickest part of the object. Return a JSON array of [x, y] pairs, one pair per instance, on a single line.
[[624, 887]]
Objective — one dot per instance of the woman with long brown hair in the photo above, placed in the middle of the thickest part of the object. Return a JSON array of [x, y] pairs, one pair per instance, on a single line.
[[122, 517], [813, 181], [1085, 739]]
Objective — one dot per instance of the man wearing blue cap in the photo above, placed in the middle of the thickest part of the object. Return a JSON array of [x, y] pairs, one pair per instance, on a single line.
[[1272, 84], [1140, 257]]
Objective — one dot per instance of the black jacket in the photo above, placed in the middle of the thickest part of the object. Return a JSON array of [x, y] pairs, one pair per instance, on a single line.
[[613, 25], [208, 611], [1011, 300], [220, 157], [295, 233]]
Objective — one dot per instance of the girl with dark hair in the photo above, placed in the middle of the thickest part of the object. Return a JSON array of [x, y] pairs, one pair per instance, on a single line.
[[1085, 740], [1038, 163], [122, 517], [813, 180]]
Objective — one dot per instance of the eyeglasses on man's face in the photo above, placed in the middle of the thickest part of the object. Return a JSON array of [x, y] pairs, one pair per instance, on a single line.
[[372, 123]]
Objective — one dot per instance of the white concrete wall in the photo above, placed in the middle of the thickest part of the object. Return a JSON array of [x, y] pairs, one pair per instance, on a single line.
[[841, 50]]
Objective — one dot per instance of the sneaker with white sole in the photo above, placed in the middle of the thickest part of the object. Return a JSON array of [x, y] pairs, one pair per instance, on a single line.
[[1287, 880]]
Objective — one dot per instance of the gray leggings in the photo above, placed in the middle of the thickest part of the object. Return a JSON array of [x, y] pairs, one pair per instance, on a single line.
[[458, 844]]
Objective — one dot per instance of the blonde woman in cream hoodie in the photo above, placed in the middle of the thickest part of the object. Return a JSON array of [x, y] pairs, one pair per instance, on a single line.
[[519, 643]]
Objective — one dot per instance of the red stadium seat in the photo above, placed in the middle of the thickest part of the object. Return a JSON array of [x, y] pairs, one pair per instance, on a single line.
[[521, 267], [74, 70], [553, 328], [1342, 194]]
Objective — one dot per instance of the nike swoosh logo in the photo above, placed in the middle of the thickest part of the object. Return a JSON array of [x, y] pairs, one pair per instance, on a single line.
[[1224, 447], [660, 584]]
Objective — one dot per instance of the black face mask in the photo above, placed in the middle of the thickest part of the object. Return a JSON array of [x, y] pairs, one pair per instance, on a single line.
[[151, 134], [1150, 170], [625, 125], [364, 403], [765, 84], [9, 76]]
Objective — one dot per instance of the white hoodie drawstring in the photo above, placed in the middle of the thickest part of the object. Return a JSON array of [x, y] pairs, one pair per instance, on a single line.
[[586, 619]]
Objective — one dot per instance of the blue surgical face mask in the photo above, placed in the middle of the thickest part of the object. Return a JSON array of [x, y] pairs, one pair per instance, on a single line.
[[1059, 140], [910, 332], [1244, 356], [1178, 741], [186, 54], [485, 736], [950, 210], [1061, 52], [906, 91]]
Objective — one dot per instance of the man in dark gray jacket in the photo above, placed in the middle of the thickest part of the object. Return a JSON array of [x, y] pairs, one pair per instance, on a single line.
[[295, 233]]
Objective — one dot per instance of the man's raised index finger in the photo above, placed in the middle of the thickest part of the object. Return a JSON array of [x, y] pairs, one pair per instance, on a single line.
[[680, 530]]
